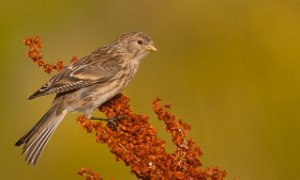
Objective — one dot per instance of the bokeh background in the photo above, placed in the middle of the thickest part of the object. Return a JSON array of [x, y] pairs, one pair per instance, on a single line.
[[229, 68]]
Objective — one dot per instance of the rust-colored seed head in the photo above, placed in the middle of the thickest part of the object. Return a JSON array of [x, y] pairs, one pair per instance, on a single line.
[[88, 174], [35, 54], [136, 143]]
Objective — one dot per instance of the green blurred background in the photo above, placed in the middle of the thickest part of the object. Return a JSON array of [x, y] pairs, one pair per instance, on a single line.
[[229, 68]]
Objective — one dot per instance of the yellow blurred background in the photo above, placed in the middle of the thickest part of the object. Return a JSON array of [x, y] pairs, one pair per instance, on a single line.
[[229, 68]]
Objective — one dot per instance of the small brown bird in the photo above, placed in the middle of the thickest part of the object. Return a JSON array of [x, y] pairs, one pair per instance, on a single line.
[[85, 85]]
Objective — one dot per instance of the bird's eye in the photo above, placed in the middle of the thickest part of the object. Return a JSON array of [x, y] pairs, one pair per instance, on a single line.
[[140, 42]]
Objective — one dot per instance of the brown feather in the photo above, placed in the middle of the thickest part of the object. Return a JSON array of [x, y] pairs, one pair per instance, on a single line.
[[87, 71]]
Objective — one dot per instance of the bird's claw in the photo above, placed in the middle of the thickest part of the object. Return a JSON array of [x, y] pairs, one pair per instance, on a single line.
[[111, 122]]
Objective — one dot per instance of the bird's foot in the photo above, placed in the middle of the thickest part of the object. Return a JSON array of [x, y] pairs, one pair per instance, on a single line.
[[111, 122]]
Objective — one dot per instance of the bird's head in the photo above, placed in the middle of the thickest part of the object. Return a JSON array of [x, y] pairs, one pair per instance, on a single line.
[[136, 44]]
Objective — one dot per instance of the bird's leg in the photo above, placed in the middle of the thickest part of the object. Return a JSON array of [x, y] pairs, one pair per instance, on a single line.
[[111, 122], [108, 120]]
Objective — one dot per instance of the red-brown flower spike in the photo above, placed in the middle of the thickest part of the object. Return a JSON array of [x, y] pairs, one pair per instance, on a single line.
[[74, 59], [88, 174], [59, 65], [35, 54], [136, 143]]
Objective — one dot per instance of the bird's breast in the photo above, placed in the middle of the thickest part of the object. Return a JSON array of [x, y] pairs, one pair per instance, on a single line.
[[92, 97]]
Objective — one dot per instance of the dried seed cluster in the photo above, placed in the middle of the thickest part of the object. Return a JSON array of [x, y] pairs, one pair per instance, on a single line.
[[136, 143], [88, 174], [34, 53]]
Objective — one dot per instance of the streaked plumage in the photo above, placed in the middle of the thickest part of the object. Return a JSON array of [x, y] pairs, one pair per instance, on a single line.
[[85, 85]]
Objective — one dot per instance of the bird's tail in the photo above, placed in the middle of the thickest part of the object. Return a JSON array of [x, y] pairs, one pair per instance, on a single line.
[[37, 137]]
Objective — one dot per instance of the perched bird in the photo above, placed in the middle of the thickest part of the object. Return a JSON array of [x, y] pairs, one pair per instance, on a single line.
[[85, 85]]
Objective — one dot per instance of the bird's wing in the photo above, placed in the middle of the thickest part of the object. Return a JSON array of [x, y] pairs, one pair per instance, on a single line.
[[86, 71]]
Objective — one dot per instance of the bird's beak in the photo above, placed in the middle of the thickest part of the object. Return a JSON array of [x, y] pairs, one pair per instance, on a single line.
[[151, 48]]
